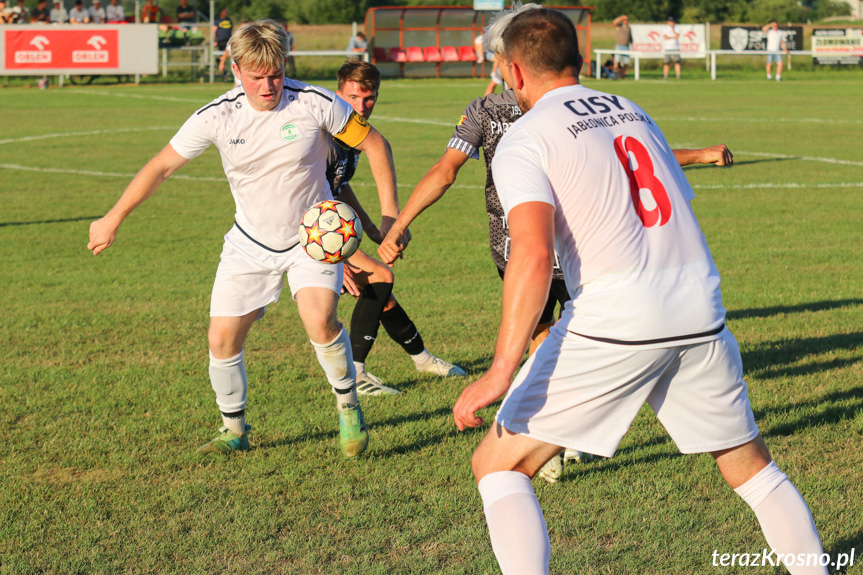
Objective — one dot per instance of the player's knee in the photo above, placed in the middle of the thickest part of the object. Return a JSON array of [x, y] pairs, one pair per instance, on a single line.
[[382, 274]]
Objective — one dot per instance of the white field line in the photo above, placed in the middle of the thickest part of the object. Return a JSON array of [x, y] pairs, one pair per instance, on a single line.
[[83, 133]]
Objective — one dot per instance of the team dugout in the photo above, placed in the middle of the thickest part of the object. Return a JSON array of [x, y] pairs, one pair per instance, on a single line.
[[415, 42]]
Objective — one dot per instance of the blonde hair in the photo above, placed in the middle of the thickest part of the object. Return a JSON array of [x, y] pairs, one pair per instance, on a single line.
[[492, 38], [260, 45]]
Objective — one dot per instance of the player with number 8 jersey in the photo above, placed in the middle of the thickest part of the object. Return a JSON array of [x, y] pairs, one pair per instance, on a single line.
[[631, 250]]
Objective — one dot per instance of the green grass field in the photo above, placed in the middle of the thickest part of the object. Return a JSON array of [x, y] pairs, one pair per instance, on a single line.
[[104, 393]]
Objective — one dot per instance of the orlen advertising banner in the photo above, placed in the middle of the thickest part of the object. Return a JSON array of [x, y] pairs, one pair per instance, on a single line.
[[844, 46], [41, 48], [649, 38], [749, 38], [28, 50]]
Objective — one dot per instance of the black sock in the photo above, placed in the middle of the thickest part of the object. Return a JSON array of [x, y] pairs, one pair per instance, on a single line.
[[366, 317], [403, 331]]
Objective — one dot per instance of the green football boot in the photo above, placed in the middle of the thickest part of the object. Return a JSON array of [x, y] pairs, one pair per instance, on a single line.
[[227, 442], [353, 435]]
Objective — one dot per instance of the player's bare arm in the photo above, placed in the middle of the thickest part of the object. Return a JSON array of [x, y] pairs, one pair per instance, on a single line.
[[160, 168], [525, 291], [718, 154], [430, 189], [380, 155], [370, 230]]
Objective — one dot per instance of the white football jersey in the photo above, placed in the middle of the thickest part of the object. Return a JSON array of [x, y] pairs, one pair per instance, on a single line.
[[634, 259], [275, 161]]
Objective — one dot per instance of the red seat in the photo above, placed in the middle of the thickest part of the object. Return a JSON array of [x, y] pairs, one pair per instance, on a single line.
[[381, 54], [449, 54], [431, 54], [398, 55], [466, 54], [415, 54]]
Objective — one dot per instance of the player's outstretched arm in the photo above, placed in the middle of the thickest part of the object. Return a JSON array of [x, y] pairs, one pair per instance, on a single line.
[[718, 154], [525, 291], [380, 156], [104, 230], [430, 189], [370, 230]]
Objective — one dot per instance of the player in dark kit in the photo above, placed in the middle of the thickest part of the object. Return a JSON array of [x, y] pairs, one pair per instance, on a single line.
[[366, 278]]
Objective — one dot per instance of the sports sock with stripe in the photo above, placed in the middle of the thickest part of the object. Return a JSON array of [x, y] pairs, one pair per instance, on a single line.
[[336, 359]]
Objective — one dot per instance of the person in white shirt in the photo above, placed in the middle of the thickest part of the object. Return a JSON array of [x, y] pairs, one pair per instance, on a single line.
[[97, 13], [775, 44], [58, 13], [114, 12], [592, 175], [78, 15], [273, 135], [671, 47]]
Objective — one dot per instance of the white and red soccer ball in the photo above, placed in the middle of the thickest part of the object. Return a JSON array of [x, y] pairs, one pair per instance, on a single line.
[[330, 231]]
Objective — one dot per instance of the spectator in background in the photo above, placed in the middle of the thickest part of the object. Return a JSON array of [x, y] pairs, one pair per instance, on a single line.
[[775, 43], [58, 14], [150, 12], [358, 46], [186, 15], [6, 15], [222, 30], [78, 15], [40, 14], [622, 41], [97, 13], [290, 65], [20, 13], [671, 36], [114, 13]]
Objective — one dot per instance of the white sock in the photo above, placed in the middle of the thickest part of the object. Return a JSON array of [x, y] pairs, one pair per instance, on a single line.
[[516, 526], [360, 367], [421, 357], [229, 381], [769, 77], [785, 519], [337, 360], [235, 424]]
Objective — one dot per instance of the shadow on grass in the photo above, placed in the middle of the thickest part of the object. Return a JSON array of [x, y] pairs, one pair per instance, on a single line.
[[844, 547], [85, 218], [777, 310], [829, 412], [790, 351]]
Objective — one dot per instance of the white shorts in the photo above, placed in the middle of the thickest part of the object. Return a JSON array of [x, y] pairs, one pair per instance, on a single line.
[[576, 394], [251, 277]]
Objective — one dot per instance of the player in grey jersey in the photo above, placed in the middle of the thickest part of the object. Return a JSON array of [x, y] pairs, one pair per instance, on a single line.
[[366, 278], [482, 125]]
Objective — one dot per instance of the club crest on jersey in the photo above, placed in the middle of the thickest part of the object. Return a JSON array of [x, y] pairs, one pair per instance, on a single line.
[[289, 132]]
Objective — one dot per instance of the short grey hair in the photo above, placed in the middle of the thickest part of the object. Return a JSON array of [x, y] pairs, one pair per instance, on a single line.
[[492, 39]]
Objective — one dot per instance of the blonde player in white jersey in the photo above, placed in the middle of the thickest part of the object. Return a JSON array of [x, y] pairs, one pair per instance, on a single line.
[[592, 174], [273, 136]]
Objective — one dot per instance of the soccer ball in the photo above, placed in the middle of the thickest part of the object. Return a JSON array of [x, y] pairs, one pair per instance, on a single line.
[[330, 231]]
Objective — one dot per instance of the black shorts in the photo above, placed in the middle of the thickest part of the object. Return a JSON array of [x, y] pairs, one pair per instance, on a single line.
[[557, 294]]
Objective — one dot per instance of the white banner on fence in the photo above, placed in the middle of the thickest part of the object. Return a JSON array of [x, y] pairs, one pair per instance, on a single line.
[[649, 38]]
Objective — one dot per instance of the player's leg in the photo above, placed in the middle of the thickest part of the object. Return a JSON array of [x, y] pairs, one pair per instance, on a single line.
[[769, 66], [702, 401], [782, 512], [402, 330], [503, 464], [228, 379], [665, 66], [375, 282], [778, 68], [677, 68], [317, 309]]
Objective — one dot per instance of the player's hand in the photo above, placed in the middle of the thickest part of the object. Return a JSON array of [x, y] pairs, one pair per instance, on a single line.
[[102, 235], [719, 155], [349, 282], [481, 393], [391, 248]]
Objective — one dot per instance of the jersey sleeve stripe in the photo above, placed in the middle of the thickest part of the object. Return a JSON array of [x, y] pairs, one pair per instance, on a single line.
[[308, 91], [222, 101], [462, 146]]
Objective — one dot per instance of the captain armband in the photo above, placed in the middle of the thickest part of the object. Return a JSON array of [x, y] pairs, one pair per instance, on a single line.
[[354, 132]]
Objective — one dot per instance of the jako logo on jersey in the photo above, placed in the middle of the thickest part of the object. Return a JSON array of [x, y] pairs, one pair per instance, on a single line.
[[289, 132], [233, 141]]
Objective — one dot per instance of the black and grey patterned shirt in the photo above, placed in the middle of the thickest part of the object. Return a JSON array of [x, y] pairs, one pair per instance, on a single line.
[[341, 166], [482, 125]]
